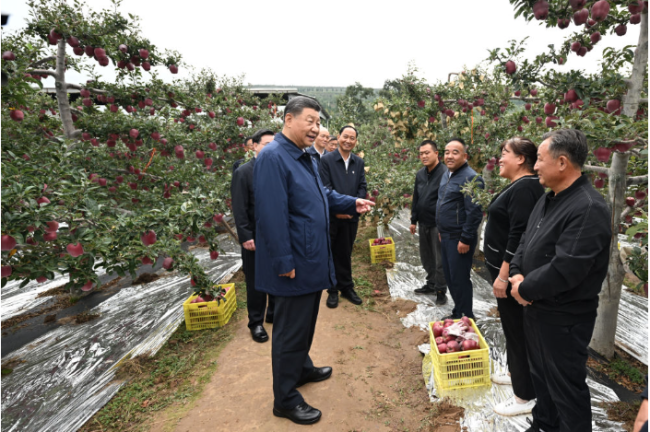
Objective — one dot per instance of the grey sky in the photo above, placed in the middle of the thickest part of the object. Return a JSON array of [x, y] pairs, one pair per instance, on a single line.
[[336, 43]]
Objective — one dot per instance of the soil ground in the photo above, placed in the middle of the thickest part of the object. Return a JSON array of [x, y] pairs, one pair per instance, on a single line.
[[377, 383]]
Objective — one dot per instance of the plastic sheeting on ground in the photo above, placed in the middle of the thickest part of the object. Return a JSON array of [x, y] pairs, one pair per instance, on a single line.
[[407, 274], [67, 375]]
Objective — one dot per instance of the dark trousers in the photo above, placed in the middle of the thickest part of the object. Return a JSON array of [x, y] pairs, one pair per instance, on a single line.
[[457, 269], [255, 300], [558, 365], [431, 257], [293, 333], [342, 235], [511, 314]]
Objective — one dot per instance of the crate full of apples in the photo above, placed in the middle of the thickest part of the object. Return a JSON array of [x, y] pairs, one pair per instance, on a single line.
[[460, 354], [209, 310], [382, 249]]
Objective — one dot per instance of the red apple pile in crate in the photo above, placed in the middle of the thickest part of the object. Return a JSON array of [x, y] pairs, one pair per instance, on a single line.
[[453, 336], [215, 294], [381, 241]]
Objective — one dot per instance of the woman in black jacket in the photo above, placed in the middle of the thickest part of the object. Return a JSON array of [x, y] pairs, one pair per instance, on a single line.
[[508, 215]]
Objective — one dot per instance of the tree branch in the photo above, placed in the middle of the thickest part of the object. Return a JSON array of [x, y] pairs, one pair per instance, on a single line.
[[230, 231], [42, 61], [637, 180], [597, 169], [43, 72], [92, 90]]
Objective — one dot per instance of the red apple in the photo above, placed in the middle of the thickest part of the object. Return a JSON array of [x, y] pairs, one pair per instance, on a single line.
[[575, 46], [87, 286], [636, 6], [533, 92], [8, 55], [599, 183], [133, 133], [600, 10], [42, 200], [511, 67], [540, 10], [146, 260], [52, 227], [549, 108], [168, 263], [620, 29], [595, 37], [240, 121], [571, 96], [577, 4], [602, 154], [75, 250], [563, 22], [17, 115], [582, 51], [173, 69], [8, 242], [50, 236], [550, 121], [6, 271], [143, 53], [148, 238], [635, 19], [630, 201], [580, 17], [218, 218], [614, 106]]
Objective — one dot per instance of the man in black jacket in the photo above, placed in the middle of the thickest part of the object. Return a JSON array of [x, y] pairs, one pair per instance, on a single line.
[[243, 208], [458, 219], [343, 171], [557, 273], [318, 150], [425, 198], [248, 146]]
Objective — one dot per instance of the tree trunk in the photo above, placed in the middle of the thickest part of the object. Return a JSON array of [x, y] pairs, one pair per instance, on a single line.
[[604, 335], [62, 93]]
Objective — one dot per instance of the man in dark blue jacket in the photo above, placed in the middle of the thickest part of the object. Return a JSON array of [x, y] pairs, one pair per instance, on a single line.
[[243, 208], [318, 150], [293, 258], [458, 219], [343, 171]]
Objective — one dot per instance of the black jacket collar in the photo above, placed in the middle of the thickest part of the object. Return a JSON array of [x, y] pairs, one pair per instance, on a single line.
[[580, 182]]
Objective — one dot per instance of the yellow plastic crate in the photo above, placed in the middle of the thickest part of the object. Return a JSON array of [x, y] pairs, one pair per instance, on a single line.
[[199, 316], [381, 253], [462, 369]]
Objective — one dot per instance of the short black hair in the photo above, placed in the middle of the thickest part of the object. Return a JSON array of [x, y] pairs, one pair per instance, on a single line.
[[431, 143], [297, 104], [460, 140], [571, 143], [246, 139], [257, 136], [333, 138], [351, 127]]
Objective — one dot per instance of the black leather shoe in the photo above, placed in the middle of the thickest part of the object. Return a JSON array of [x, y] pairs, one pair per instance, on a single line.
[[441, 298], [332, 300], [425, 290], [269, 319], [317, 375], [259, 334], [352, 296], [302, 414]]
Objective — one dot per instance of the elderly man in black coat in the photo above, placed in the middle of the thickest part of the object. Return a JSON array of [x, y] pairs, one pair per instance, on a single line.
[[557, 273], [243, 208]]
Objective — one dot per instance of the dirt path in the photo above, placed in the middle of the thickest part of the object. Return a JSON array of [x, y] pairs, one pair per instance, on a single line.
[[376, 386]]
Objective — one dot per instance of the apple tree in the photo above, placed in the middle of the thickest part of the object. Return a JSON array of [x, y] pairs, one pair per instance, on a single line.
[[128, 171], [609, 106]]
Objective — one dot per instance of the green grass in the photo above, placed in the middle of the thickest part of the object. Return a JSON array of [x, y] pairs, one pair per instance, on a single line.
[[623, 368]]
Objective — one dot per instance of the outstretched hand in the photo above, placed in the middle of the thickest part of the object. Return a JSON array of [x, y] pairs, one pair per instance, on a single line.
[[364, 205]]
